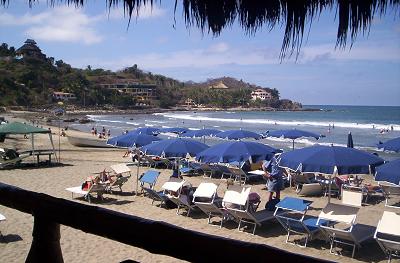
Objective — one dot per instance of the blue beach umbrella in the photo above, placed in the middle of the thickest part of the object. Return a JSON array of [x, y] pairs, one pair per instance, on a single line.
[[200, 133], [292, 134], [389, 172], [330, 160], [174, 148], [177, 130], [237, 151], [238, 134], [132, 140], [145, 130], [391, 145]]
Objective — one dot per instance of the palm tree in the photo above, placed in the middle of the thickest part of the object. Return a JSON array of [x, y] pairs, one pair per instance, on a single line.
[[215, 16]]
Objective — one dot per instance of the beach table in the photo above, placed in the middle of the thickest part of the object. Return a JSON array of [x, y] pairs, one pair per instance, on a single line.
[[38, 153]]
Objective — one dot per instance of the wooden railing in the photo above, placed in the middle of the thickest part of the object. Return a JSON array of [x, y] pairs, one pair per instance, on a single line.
[[154, 236]]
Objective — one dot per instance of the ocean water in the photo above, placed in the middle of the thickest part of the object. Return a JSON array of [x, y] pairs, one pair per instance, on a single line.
[[334, 122]]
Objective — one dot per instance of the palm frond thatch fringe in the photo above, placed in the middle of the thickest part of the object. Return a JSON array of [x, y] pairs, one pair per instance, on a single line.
[[213, 16]]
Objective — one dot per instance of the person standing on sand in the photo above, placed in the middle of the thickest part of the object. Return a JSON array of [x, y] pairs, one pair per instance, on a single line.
[[92, 131], [95, 131], [273, 173], [108, 133]]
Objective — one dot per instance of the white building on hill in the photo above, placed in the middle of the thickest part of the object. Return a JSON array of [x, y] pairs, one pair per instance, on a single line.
[[261, 94]]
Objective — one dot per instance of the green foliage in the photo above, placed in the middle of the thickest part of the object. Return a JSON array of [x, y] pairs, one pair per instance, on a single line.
[[31, 82], [5, 51]]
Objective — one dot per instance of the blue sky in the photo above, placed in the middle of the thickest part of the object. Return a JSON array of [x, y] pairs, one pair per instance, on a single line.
[[366, 74]]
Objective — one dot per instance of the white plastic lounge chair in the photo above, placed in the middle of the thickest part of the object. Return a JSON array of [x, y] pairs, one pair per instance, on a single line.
[[173, 190], [156, 196], [150, 178], [98, 189], [2, 218], [310, 189], [391, 193], [352, 196], [387, 234], [351, 234], [291, 214], [236, 202], [205, 198], [119, 170]]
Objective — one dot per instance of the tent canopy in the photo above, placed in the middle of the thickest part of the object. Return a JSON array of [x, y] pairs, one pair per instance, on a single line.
[[20, 128]]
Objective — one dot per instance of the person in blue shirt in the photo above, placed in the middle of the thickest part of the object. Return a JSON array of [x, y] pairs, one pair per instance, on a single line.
[[273, 173]]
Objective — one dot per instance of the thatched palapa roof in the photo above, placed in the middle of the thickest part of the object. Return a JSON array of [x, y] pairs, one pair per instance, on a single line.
[[212, 16]]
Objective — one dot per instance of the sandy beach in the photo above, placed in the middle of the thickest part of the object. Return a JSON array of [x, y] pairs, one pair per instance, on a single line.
[[78, 163]]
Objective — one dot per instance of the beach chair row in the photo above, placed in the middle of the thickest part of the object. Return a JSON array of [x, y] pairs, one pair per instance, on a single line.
[[349, 189], [102, 182], [336, 223]]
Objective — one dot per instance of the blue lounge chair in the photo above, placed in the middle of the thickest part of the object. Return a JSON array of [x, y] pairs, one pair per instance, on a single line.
[[291, 214], [150, 178], [156, 196], [190, 168]]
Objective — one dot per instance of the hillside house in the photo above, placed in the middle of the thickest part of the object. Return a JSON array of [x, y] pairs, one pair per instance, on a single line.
[[63, 96], [30, 50], [261, 94], [139, 91]]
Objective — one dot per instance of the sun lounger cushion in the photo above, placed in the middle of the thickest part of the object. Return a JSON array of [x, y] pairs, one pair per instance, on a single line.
[[237, 195], [120, 168], [173, 185], [205, 190], [339, 213], [77, 190], [149, 177]]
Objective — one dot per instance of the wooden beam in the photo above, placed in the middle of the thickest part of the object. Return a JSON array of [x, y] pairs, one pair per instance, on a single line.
[[153, 236]]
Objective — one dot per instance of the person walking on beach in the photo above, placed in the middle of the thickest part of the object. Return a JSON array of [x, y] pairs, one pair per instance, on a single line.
[[92, 131], [108, 133], [95, 131], [273, 173]]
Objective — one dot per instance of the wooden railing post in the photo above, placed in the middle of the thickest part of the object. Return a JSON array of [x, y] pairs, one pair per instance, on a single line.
[[46, 241]]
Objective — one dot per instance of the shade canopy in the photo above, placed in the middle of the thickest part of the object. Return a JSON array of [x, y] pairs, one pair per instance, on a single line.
[[292, 134], [330, 160], [391, 145], [238, 134], [177, 130], [174, 148], [132, 140], [200, 133], [237, 151], [389, 172], [20, 128], [145, 130]]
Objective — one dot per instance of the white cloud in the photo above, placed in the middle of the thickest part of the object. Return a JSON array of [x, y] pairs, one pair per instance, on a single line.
[[219, 48], [221, 54], [363, 51], [63, 24]]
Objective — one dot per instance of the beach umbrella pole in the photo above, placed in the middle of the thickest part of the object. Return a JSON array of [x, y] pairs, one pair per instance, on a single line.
[[137, 174]]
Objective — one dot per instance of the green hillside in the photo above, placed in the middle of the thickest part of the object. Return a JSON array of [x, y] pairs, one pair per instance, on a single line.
[[29, 78]]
